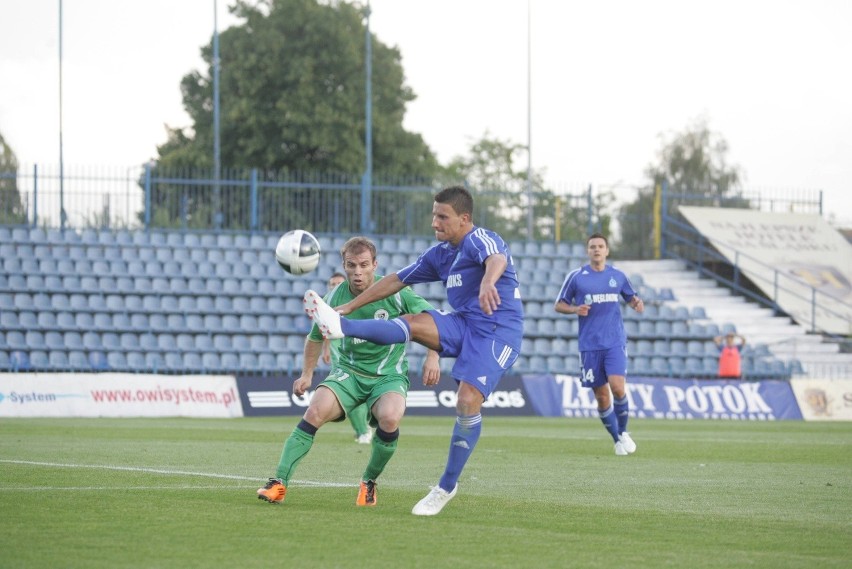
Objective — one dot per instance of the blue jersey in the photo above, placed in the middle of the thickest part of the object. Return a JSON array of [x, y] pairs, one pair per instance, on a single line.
[[603, 328], [461, 270]]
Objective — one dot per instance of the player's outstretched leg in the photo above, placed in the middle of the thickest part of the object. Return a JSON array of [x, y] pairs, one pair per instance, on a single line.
[[326, 318]]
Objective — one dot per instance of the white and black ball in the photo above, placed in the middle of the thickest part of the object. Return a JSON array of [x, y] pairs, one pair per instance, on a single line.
[[298, 252]]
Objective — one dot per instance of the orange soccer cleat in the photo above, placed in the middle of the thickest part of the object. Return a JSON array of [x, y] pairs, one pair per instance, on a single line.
[[366, 494], [273, 492]]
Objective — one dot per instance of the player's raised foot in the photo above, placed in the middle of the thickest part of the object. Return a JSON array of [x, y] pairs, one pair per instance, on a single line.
[[273, 492], [366, 438], [434, 501], [366, 494], [627, 442], [619, 449], [326, 318]]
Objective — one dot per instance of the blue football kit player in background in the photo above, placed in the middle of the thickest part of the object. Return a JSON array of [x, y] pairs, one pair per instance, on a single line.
[[484, 332], [592, 292]]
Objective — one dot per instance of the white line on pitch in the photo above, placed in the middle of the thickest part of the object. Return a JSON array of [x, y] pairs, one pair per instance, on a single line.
[[170, 472]]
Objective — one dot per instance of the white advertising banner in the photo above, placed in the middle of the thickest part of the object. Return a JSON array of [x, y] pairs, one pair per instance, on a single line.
[[788, 256], [824, 399], [118, 395]]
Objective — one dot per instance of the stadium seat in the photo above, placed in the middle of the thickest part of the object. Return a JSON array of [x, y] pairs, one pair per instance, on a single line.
[[229, 361], [98, 361], [77, 361], [210, 362], [136, 361], [19, 360]]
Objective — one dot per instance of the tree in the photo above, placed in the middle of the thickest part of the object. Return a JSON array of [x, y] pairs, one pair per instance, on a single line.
[[490, 170], [12, 211], [693, 165], [292, 98]]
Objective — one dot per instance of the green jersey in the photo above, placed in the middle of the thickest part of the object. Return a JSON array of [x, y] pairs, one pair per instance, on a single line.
[[361, 356]]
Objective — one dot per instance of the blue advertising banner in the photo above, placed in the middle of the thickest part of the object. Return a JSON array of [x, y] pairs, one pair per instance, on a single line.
[[662, 398]]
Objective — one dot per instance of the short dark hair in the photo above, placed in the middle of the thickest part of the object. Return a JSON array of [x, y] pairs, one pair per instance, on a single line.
[[458, 198], [598, 236], [356, 245]]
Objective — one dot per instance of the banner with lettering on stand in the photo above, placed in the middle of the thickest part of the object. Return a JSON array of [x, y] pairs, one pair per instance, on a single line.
[[662, 398]]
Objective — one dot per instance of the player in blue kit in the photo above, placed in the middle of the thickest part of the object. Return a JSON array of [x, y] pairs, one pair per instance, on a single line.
[[592, 292], [483, 333]]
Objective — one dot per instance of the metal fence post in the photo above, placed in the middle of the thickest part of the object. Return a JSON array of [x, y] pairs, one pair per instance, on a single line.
[[35, 195], [148, 196], [253, 198]]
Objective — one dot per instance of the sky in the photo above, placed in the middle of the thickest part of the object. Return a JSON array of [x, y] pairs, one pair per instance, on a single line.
[[608, 82]]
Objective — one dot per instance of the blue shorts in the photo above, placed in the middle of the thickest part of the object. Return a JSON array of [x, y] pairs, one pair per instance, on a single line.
[[597, 365], [481, 359]]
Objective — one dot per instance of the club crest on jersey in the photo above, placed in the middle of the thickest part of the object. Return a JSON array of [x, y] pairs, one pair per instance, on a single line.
[[381, 314], [612, 283]]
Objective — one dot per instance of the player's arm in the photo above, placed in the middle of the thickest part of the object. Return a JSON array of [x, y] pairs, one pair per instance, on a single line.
[[380, 289], [489, 298], [637, 304], [431, 368], [564, 308], [311, 355]]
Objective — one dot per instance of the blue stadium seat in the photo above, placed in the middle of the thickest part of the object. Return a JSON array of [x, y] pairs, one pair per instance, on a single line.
[[659, 366], [58, 360], [174, 361], [73, 341], [77, 361], [155, 361], [267, 362], [19, 360], [210, 362], [136, 361], [98, 361], [65, 321], [192, 362], [54, 340], [639, 365], [229, 361], [46, 320]]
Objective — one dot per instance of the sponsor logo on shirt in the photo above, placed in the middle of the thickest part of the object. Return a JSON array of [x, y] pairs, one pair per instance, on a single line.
[[454, 281]]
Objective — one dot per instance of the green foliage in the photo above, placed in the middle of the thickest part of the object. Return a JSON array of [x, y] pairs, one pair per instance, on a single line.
[[693, 166], [12, 211], [500, 187], [292, 94], [541, 492]]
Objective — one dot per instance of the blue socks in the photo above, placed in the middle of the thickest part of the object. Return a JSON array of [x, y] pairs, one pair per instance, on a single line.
[[382, 332], [465, 435], [610, 421], [621, 412]]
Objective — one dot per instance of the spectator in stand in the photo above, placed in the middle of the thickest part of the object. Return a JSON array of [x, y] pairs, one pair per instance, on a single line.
[[730, 355]]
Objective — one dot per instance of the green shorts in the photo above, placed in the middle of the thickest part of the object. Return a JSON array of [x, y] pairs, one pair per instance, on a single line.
[[353, 389]]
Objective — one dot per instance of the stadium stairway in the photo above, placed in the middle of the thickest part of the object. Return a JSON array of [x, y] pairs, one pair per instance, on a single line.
[[786, 340]]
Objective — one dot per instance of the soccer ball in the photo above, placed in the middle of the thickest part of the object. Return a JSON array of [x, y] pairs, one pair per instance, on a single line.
[[298, 252]]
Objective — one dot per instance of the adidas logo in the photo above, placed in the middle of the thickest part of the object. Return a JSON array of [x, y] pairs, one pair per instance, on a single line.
[[482, 379], [461, 444]]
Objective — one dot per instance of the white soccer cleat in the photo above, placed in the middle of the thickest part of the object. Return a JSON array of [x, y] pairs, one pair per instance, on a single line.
[[434, 501], [326, 318], [619, 449], [627, 442], [366, 438]]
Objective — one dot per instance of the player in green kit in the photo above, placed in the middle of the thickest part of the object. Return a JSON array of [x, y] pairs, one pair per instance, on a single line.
[[361, 372]]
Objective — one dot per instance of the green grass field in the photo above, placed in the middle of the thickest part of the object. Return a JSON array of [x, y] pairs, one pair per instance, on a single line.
[[537, 493]]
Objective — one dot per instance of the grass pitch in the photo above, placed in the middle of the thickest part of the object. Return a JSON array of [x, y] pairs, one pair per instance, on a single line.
[[538, 492]]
